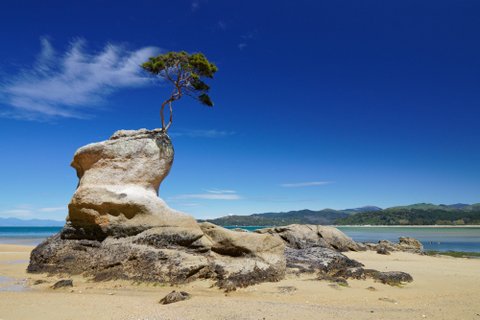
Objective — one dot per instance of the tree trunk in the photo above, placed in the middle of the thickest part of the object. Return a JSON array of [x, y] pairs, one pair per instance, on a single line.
[[171, 116], [162, 117]]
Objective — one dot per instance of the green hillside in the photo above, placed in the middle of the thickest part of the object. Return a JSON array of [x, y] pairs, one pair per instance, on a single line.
[[326, 216], [415, 214]]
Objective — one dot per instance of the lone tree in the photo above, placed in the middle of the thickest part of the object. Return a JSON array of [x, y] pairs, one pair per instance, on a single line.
[[185, 71]]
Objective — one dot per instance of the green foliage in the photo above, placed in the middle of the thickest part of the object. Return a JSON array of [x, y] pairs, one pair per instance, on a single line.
[[420, 214], [455, 254], [326, 216], [186, 72]]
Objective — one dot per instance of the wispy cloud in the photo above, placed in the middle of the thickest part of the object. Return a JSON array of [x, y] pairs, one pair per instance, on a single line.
[[246, 39], [211, 133], [53, 209], [190, 204], [215, 194], [16, 213], [305, 184], [28, 211], [220, 191], [72, 83]]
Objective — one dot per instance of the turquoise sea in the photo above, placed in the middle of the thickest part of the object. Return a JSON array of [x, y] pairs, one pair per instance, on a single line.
[[433, 238]]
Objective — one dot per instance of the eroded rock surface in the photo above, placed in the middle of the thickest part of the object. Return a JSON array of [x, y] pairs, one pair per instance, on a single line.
[[118, 227], [318, 249], [118, 183], [301, 236], [405, 244], [175, 296]]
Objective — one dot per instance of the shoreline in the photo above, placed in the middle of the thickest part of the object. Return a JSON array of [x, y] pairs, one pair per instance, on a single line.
[[408, 226], [447, 289]]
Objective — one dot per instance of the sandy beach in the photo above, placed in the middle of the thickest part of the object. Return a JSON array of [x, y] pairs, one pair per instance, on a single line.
[[443, 288]]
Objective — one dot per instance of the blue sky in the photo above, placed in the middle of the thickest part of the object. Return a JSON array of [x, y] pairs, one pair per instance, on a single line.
[[318, 103]]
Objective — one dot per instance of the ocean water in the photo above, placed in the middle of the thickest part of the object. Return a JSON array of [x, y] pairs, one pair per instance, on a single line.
[[465, 239], [26, 235]]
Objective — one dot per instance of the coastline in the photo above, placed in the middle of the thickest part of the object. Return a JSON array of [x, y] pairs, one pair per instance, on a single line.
[[447, 289], [408, 226]]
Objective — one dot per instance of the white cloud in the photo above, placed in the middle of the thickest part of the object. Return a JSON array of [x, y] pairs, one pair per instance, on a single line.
[[16, 213], [215, 194], [242, 45], [30, 212], [208, 196], [190, 204], [212, 133], [53, 209], [305, 184], [220, 191], [69, 84]]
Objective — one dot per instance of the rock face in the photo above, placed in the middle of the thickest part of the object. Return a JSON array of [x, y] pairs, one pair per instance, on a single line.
[[315, 249], [175, 296], [118, 227], [301, 236], [119, 181], [405, 244]]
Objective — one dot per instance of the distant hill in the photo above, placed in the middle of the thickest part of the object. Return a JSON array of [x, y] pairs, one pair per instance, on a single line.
[[362, 209], [415, 214], [14, 222], [326, 216]]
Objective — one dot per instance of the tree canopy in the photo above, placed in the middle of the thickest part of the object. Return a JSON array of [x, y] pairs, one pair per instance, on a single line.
[[186, 72]]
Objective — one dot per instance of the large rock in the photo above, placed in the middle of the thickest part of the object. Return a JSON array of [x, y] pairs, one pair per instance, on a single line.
[[405, 244], [318, 259], [300, 236], [118, 227], [119, 181]]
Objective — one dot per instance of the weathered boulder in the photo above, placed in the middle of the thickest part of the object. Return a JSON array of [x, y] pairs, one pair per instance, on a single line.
[[317, 249], [392, 278], [118, 227], [318, 259], [175, 296], [410, 245], [300, 236], [63, 284], [405, 244], [383, 250], [119, 181]]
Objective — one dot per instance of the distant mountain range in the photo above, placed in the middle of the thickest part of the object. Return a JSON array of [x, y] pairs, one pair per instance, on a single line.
[[416, 214], [14, 222]]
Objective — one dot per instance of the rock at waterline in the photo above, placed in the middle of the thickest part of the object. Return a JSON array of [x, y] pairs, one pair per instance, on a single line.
[[298, 236], [118, 227]]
